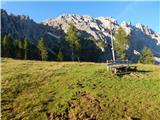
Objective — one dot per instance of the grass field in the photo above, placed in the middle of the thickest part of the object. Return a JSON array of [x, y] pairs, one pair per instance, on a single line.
[[34, 90]]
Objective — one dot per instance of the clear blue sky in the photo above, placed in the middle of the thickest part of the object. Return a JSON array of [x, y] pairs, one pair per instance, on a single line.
[[147, 13]]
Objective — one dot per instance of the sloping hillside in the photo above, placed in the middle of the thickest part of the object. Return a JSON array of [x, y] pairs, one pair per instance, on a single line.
[[37, 90]]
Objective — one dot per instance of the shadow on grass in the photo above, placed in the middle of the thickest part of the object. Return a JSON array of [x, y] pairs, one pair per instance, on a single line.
[[134, 118], [143, 71], [135, 72]]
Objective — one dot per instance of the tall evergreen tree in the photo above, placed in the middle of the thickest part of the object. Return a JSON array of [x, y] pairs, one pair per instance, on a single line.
[[16, 49], [60, 56], [25, 47], [2, 47], [120, 42], [43, 49], [8, 47], [72, 38], [20, 49], [146, 56]]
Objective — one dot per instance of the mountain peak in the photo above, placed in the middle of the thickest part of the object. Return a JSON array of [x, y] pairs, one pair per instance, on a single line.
[[111, 19], [125, 23], [144, 28], [3, 11]]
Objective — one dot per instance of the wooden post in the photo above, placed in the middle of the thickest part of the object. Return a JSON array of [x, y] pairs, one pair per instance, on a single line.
[[107, 65], [113, 55]]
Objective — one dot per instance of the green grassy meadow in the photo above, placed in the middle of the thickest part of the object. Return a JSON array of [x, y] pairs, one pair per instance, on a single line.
[[35, 90]]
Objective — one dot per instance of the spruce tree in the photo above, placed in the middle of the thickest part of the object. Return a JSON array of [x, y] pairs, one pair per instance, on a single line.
[[73, 40], [43, 49], [25, 47], [20, 49], [8, 47], [146, 56], [60, 56], [16, 48], [120, 42]]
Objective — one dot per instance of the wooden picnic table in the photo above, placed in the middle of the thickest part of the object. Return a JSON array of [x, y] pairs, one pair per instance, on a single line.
[[121, 68]]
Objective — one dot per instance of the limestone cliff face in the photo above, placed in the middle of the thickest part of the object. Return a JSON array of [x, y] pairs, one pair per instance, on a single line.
[[98, 28], [20, 26]]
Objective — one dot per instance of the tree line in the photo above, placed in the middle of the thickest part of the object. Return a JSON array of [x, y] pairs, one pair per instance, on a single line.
[[22, 48], [72, 48], [80, 49]]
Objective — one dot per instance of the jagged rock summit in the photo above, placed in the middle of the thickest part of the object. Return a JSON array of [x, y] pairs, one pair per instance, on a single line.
[[99, 28]]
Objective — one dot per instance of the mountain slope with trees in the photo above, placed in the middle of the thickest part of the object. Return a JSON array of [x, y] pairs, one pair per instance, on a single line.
[[94, 35]]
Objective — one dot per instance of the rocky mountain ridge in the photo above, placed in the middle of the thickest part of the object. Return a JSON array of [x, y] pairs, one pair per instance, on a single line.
[[98, 28]]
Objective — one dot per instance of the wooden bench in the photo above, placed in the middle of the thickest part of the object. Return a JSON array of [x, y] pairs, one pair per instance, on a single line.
[[120, 68]]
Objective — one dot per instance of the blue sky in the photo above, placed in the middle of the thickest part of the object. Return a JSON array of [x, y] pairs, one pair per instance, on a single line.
[[147, 13]]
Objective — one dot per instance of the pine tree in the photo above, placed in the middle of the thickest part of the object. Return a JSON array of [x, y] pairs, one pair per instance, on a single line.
[[25, 47], [120, 43], [20, 49], [20, 43], [8, 47], [72, 38], [2, 46], [16, 48], [43, 49], [146, 56], [60, 56]]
